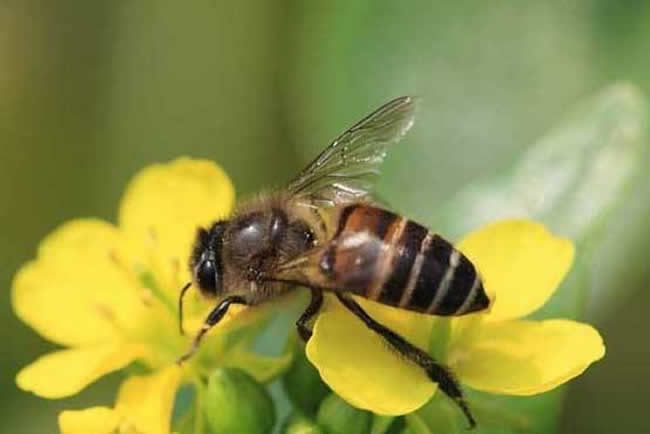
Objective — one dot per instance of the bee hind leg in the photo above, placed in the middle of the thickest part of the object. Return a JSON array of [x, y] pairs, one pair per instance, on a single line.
[[312, 309], [435, 371]]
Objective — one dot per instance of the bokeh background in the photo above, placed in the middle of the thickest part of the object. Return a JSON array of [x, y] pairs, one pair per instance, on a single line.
[[92, 91]]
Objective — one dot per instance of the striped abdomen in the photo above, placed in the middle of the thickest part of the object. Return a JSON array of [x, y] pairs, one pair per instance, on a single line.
[[387, 258]]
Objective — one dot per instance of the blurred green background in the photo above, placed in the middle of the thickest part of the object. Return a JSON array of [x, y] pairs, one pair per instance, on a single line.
[[92, 91]]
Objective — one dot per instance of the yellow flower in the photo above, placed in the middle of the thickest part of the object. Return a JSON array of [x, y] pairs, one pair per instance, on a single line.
[[108, 295], [144, 405], [522, 264]]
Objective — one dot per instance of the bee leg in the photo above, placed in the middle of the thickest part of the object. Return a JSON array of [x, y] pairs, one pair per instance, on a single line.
[[311, 310], [435, 371], [213, 318]]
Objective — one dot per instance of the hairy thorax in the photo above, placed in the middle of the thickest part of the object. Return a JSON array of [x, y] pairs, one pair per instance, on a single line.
[[264, 232]]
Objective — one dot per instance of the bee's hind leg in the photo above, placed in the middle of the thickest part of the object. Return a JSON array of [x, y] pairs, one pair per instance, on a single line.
[[312, 309], [435, 371]]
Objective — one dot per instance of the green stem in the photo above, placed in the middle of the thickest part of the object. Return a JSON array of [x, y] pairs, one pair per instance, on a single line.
[[198, 407]]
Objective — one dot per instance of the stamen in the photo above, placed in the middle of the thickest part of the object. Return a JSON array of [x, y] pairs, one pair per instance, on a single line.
[[147, 297], [125, 269], [109, 315]]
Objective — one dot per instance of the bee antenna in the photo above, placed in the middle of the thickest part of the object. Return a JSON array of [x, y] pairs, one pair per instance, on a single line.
[[180, 306]]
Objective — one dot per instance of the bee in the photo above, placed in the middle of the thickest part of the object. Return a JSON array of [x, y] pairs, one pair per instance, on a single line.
[[324, 232]]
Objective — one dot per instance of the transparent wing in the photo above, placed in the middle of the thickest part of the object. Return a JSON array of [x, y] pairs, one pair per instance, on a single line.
[[347, 170], [351, 274]]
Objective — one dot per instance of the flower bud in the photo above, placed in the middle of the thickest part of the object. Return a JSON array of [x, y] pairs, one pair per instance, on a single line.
[[339, 417], [303, 384], [437, 415], [384, 424], [298, 423], [236, 403]]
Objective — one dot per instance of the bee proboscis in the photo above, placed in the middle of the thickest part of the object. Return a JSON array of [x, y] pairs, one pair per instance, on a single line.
[[325, 232]]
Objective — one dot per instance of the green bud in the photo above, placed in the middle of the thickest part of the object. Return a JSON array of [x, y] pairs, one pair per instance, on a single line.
[[398, 425], [339, 417], [302, 382], [381, 424], [298, 423], [236, 404], [437, 415]]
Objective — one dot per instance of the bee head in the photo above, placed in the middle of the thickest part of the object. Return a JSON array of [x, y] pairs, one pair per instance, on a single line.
[[205, 263]]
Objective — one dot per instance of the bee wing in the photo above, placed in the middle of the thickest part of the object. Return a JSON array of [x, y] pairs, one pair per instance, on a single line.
[[347, 170], [346, 263]]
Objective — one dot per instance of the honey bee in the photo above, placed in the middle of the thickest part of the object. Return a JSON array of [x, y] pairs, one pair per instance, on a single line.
[[324, 232]]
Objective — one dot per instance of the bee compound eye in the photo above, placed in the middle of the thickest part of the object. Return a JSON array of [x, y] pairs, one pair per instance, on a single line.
[[207, 278]]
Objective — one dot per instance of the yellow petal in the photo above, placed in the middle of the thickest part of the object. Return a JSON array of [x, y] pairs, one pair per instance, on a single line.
[[358, 365], [66, 372], [95, 420], [165, 204], [77, 292], [521, 263], [521, 357], [146, 402]]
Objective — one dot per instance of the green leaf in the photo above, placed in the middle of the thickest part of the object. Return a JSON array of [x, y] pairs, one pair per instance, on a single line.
[[571, 178], [302, 382], [186, 415]]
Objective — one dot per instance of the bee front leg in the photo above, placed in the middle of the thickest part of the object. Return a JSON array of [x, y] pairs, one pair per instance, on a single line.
[[435, 371], [311, 310], [213, 318]]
